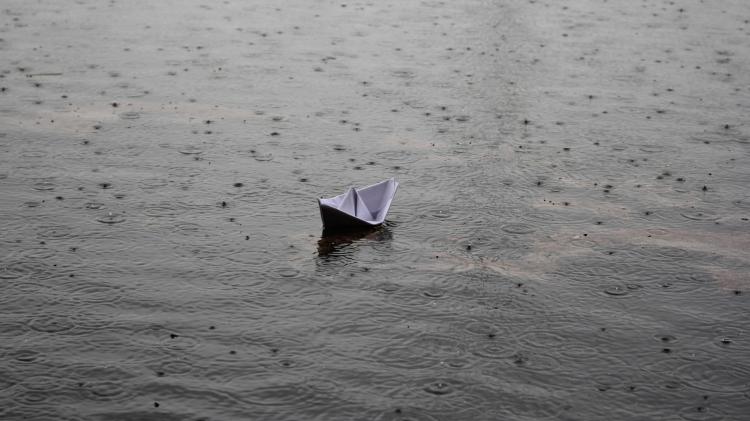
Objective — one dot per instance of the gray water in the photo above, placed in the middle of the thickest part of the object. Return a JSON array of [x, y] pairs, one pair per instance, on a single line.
[[569, 242]]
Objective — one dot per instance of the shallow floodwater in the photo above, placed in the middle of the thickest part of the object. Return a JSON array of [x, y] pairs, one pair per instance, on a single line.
[[570, 240]]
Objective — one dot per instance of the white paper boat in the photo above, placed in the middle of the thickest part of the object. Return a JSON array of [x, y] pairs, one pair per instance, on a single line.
[[358, 208]]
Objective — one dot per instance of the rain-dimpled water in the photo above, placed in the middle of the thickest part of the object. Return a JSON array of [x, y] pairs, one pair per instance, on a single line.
[[569, 240]]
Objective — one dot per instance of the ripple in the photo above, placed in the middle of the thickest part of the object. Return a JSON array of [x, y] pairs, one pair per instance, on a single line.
[[398, 156], [495, 350], [542, 339], [33, 154], [440, 213], [439, 387], [382, 129], [286, 272], [583, 242], [12, 271], [579, 351], [701, 413], [700, 215], [607, 381], [105, 390], [191, 150], [697, 355], [536, 362], [130, 115], [88, 321], [176, 367], [41, 383], [388, 287], [39, 413], [665, 338], [456, 363], [313, 299], [249, 258], [184, 172], [111, 218], [434, 293], [5, 383], [518, 228], [25, 295], [94, 205], [405, 414], [31, 397], [163, 210], [440, 394], [95, 293], [617, 290], [26, 356], [715, 377], [153, 183], [55, 232], [44, 186], [262, 157], [38, 253], [51, 323], [681, 284], [482, 328], [663, 253], [404, 356], [187, 227], [272, 344], [38, 268], [651, 148], [159, 337], [562, 215], [283, 394], [727, 337]]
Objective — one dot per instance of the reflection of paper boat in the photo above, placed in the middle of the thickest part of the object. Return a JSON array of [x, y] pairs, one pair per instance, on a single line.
[[358, 208]]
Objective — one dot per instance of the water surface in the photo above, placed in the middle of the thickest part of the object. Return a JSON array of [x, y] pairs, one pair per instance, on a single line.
[[569, 241]]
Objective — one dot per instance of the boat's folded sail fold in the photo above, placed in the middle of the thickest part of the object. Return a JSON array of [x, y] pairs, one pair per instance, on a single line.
[[366, 206]]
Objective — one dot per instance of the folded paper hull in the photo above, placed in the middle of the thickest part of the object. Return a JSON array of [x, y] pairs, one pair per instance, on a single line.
[[358, 208], [336, 220]]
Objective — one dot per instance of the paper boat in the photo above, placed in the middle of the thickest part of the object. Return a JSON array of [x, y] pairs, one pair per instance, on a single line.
[[358, 208]]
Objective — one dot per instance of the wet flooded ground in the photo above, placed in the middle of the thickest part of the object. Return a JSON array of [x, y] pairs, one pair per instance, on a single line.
[[570, 239]]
